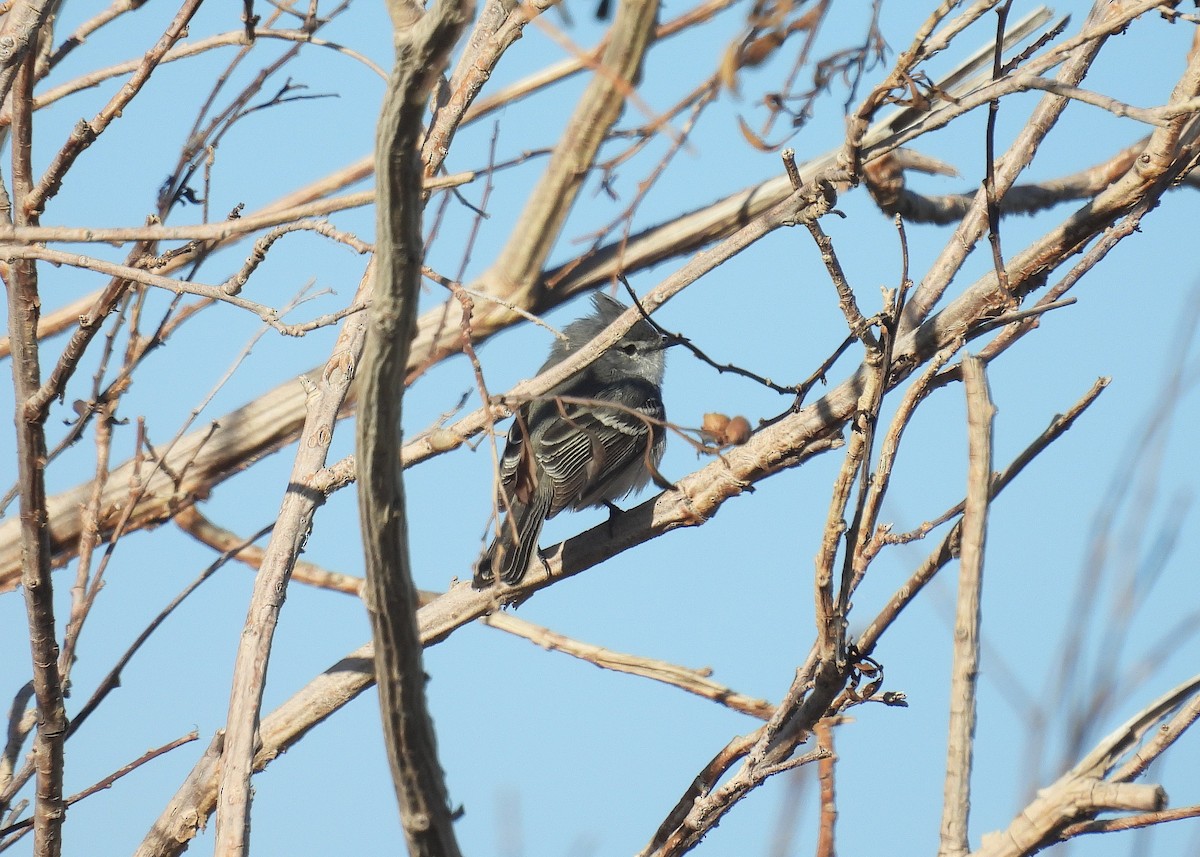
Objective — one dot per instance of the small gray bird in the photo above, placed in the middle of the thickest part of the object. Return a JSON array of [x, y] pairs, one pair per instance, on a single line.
[[591, 451]]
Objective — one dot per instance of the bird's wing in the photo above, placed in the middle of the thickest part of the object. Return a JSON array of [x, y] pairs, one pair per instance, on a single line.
[[593, 441], [518, 467]]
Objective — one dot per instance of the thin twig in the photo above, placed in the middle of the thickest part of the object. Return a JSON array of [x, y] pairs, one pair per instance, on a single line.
[[267, 314], [949, 546], [692, 681], [112, 680], [107, 782], [989, 182], [85, 132]]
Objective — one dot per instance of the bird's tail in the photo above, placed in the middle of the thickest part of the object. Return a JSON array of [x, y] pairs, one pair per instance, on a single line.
[[508, 555]]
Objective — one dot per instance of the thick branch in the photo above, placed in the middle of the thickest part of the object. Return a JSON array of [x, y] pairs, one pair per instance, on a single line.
[[23, 307], [22, 23], [1093, 786], [421, 52]]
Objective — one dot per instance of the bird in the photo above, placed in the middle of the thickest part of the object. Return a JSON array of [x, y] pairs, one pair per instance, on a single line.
[[589, 441]]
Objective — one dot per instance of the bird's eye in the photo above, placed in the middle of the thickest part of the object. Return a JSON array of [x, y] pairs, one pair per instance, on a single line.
[[629, 348]]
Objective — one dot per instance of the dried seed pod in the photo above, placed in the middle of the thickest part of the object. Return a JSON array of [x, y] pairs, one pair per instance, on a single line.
[[737, 431]]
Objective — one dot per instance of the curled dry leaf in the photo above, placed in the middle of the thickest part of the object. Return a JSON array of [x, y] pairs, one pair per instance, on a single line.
[[714, 425]]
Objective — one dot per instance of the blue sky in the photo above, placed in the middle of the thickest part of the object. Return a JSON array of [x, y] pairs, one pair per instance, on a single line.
[[547, 754]]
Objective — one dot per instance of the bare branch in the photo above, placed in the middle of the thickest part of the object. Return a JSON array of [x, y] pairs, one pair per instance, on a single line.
[[1090, 787], [23, 306], [107, 782], [965, 671], [693, 681], [423, 43], [950, 545], [325, 396], [826, 769], [216, 293]]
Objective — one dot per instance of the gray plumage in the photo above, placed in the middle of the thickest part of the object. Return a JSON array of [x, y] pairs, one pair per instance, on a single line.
[[572, 455]]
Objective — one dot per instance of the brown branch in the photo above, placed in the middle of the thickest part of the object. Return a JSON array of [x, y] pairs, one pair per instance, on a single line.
[[83, 596], [930, 291], [498, 26], [696, 681], [830, 626], [23, 304], [991, 193], [1092, 786], [566, 68], [258, 255], [218, 232], [923, 45], [112, 679], [698, 100], [91, 25], [1129, 822], [21, 720], [324, 397], [220, 539], [309, 201], [870, 539], [1166, 735], [956, 804], [423, 43], [860, 327], [125, 273], [1151, 116], [693, 681], [884, 178], [826, 769], [950, 545], [184, 51]]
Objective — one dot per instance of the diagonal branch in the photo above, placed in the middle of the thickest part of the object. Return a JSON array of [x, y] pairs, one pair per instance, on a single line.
[[516, 273], [324, 394], [85, 133]]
